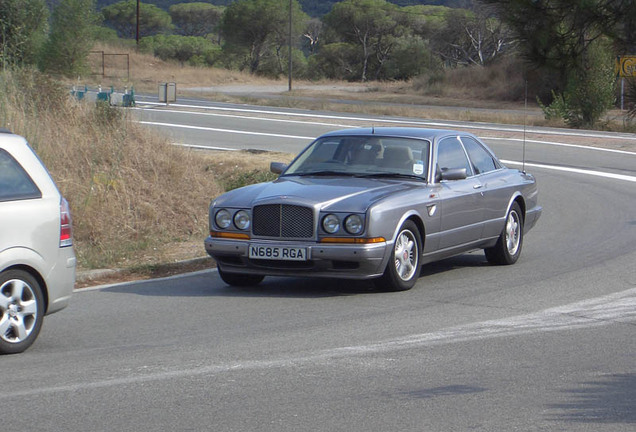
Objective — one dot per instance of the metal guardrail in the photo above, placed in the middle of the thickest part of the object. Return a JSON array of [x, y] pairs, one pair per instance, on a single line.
[[125, 98]]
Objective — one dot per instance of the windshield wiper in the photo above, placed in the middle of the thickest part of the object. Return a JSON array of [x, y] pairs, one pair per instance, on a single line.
[[388, 175], [322, 173]]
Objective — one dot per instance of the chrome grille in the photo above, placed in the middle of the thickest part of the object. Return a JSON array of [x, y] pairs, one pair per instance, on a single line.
[[283, 220]]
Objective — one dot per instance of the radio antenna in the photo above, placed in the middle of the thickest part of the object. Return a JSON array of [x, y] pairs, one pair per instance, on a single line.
[[525, 115]]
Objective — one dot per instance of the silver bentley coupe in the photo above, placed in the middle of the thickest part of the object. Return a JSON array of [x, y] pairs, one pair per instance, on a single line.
[[374, 203]]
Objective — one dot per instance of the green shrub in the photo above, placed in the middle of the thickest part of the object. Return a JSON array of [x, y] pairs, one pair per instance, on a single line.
[[194, 50], [276, 65], [590, 89], [336, 61]]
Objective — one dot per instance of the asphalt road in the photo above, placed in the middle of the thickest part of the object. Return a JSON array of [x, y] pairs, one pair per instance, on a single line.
[[545, 345]]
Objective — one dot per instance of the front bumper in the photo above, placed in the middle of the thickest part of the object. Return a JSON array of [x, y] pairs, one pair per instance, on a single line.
[[347, 261]]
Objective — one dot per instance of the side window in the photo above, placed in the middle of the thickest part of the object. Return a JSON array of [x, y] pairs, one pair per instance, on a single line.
[[482, 161], [15, 183], [451, 155]]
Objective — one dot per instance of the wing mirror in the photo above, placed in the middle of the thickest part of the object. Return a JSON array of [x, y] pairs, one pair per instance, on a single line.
[[453, 174], [277, 167]]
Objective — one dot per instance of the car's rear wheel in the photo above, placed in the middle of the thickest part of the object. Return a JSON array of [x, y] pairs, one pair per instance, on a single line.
[[508, 247], [237, 279], [403, 267], [21, 311]]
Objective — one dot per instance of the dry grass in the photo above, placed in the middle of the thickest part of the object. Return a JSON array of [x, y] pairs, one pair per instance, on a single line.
[[136, 200], [146, 71]]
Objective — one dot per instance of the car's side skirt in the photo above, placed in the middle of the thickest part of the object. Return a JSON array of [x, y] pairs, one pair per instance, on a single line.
[[457, 250]]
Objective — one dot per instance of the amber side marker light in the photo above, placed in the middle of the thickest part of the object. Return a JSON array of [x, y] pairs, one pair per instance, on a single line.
[[352, 240], [229, 235]]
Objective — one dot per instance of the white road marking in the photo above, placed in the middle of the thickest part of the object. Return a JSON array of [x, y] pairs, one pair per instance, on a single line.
[[268, 119], [478, 126], [203, 147], [224, 130], [617, 308], [560, 144], [549, 143], [612, 176]]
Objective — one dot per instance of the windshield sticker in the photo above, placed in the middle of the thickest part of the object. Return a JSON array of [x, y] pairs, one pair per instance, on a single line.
[[418, 168]]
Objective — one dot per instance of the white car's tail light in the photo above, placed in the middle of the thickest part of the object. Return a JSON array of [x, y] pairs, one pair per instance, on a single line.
[[66, 229]]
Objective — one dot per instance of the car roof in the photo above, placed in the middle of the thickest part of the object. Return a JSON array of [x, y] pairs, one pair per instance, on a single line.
[[403, 132]]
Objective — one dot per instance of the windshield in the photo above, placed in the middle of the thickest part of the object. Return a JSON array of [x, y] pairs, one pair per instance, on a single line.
[[363, 156]]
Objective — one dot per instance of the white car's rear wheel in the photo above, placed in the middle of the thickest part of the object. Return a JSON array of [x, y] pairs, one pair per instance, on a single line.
[[21, 311]]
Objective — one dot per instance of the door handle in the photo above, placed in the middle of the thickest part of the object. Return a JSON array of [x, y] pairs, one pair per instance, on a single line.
[[478, 186]]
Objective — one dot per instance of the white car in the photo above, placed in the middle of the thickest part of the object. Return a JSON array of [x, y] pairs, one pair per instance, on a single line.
[[37, 261]]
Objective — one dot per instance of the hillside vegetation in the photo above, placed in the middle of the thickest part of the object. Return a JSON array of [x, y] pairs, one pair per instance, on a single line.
[[135, 199]]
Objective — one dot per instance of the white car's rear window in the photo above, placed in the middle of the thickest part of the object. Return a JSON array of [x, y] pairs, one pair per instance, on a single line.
[[15, 183]]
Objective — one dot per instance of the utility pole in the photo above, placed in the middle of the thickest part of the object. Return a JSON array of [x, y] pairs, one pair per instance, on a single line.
[[137, 37], [290, 46]]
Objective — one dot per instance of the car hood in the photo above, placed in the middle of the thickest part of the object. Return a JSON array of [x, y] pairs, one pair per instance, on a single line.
[[326, 193]]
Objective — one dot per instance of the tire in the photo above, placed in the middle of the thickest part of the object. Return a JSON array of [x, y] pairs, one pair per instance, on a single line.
[[403, 268], [508, 247], [237, 279], [21, 311]]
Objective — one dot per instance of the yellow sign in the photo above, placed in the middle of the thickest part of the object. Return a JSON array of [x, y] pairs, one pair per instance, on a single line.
[[626, 66]]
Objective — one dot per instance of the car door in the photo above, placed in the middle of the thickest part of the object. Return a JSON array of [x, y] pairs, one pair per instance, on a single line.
[[495, 185], [462, 200]]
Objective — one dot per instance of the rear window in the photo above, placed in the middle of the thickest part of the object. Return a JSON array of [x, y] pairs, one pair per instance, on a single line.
[[15, 183]]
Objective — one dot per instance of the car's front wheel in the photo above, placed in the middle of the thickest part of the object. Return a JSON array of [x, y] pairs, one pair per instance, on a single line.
[[403, 267], [21, 311], [237, 279], [508, 247]]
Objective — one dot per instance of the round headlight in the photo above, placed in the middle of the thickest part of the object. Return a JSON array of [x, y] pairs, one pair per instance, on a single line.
[[331, 223], [242, 220], [354, 224], [223, 219]]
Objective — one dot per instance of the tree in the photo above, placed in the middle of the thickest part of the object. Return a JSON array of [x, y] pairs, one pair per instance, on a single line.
[[339, 60], [122, 17], [312, 34], [552, 34], [23, 26], [253, 29], [376, 28], [363, 23], [589, 90], [470, 38], [70, 38], [195, 19], [195, 50], [568, 39]]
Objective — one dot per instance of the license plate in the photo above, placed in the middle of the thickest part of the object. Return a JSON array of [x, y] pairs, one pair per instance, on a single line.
[[284, 253]]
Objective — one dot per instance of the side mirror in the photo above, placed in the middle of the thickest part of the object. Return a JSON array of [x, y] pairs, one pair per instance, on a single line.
[[454, 174], [277, 167]]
